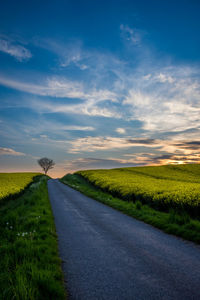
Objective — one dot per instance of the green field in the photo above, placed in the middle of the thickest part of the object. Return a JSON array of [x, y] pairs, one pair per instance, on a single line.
[[162, 187], [14, 183], [173, 219], [30, 267]]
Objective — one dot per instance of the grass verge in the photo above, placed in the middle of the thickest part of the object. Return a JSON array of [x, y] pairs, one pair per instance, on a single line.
[[172, 222], [30, 267]]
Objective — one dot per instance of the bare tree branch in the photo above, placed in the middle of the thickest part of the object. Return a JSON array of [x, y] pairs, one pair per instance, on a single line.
[[46, 164]]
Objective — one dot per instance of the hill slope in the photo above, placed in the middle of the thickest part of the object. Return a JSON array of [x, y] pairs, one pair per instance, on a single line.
[[162, 187]]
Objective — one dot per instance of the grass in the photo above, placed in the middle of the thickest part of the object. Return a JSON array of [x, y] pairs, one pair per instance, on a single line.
[[172, 222], [162, 187], [30, 268]]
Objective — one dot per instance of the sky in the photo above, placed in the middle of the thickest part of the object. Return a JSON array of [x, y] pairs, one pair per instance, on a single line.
[[99, 84]]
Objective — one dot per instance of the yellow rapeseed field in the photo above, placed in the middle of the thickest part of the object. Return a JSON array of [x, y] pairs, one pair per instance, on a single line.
[[13, 183], [176, 186]]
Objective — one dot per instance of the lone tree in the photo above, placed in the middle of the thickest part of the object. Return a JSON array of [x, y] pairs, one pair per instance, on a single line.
[[46, 164]]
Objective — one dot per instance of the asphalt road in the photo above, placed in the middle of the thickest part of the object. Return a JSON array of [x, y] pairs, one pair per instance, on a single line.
[[108, 255]]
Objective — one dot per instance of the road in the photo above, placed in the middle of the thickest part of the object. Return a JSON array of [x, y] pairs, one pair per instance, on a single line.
[[108, 255]]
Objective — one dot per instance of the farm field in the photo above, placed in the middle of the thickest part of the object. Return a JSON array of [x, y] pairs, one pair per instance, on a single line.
[[162, 187], [14, 183], [169, 219]]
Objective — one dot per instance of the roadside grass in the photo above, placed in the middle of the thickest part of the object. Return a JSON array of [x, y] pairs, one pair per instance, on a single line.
[[30, 268], [172, 222]]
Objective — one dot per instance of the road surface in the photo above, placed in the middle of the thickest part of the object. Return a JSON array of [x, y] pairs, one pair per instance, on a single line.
[[108, 255]]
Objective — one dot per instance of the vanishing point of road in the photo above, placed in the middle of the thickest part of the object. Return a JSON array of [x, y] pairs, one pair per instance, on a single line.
[[108, 255]]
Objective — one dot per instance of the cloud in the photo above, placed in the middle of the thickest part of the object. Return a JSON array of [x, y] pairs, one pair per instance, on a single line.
[[137, 159], [52, 87], [80, 128], [120, 130], [164, 151], [162, 97], [95, 102], [193, 143], [12, 48], [130, 34], [177, 159], [74, 55], [91, 144], [164, 78], [69, 53], [74, 59], [165, 159], [142, 141], [88, 107], [168, 152], [8, 151], [167, 100], [188, 146], [60, 88], [95, 163], [149, 97]]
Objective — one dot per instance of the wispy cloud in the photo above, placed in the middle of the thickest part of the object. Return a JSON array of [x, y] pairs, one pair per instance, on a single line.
[[88, 108], [94, 163], [96, 102], [166, 100], [9, 151], [74, 55], [14, 49], [80, 128], [51, 87], [68, 53], [60, 88], [132, 35], [163, 97], [91, 144]]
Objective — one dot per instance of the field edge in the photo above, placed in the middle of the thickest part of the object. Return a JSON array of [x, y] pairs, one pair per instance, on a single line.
[[18, 194], [170, 222]]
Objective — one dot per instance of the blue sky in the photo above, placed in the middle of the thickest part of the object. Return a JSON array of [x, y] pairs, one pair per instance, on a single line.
[[99, 84]]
